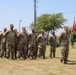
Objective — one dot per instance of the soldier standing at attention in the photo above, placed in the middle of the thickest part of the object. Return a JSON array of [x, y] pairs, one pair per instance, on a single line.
[[3, 43], [64, 40], [32, 44], [10, 43], [16, 44], [23, 43], [0, 42], [52, 41], [42, 39]]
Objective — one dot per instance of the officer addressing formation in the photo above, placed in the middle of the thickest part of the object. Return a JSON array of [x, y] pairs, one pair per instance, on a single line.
[[64, 40], [15, 44]]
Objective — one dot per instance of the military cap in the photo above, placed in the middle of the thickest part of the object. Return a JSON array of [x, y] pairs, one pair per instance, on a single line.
[[52, 31], [42, 30], [15, 30], [65, 26], [5, 28], [11, 25], [32, 28], [23, 28]]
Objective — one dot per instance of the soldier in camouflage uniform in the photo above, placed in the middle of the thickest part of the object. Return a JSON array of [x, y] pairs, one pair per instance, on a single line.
[[52, 41], [3, 43], [23, 43], [64, 40], [32, 44], [0, 42], [16, 44], [10, 43], [42, 39], [36, 51]]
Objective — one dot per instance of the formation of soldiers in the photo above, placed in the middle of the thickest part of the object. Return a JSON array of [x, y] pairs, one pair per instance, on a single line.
[[23, 45]]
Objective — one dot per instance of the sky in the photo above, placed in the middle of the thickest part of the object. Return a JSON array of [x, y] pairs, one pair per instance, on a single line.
[[12, 11]]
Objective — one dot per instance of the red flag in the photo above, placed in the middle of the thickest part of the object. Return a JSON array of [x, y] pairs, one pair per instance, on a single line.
[[74, 25]]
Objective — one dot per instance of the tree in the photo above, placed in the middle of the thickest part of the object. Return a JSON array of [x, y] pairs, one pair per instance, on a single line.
[[49, 22]]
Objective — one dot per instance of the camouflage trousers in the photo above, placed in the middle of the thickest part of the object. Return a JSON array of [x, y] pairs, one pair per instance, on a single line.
[[16, 49], [32, 50], [23, 48], [64, 52], [3, 49], [10, 47], [52, 51], [42, 50], [36, 50]]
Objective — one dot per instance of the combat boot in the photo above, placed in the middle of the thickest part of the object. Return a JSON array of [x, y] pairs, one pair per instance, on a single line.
[[65, 62], [61, 60]]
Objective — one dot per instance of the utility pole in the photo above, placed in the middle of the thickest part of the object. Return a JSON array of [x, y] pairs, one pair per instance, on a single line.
[[34, 12]]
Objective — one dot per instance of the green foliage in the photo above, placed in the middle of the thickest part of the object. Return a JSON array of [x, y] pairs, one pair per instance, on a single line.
[[49, 22], [57, 43]]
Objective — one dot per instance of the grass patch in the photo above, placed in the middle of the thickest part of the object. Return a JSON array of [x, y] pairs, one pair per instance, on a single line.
[[40, 66]]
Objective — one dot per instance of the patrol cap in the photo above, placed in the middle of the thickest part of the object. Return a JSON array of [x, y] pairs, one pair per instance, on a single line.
[[32, 28], [23, 28], [5, 28], [52, 31], [11, 25], [42, 30], [65, 26], [15, 30]]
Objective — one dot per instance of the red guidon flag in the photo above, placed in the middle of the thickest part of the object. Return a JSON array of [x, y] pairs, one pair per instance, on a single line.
[[74, 27]]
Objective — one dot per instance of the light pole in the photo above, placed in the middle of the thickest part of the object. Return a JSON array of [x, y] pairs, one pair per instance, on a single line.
[[19, 24], [34, 11]]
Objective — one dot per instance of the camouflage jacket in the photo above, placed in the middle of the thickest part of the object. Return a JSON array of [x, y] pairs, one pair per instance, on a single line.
[[52, 40], [32, 38], [64, 38], [23, 38], [3, 38], [11, 35], [42, 39]]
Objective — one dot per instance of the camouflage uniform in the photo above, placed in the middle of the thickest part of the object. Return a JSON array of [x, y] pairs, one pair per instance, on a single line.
[[52, 41], [32, 45], [10, 43], [0, 42], [42, 45], [16, 44], [36, 50], [3, 43], [23, 44], [64, 40]]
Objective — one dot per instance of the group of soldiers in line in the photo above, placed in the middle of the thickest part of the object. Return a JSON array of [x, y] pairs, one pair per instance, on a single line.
[[23, 45]]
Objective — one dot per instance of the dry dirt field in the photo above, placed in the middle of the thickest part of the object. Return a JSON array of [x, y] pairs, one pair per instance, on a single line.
[[40, 66]]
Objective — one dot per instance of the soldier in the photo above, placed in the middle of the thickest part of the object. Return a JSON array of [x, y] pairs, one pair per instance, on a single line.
[[32, 44], [52, 41], [3, 43], [11, 36], [36, 51], [64, 40], [23, 43], [0, 41], [16, 44], [42, 44]]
